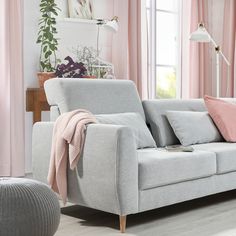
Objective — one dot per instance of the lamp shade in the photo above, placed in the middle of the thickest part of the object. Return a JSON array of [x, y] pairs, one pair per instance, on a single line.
[[112, 25], [200, 35]]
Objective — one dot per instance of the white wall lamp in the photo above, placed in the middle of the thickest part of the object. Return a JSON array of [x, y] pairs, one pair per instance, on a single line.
[[201, 35], [111, 25]]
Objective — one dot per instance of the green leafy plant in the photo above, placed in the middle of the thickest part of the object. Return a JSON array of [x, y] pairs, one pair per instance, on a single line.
[[46, 35]]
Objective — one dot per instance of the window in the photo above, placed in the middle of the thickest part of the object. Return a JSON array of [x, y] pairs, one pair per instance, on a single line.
[[163, 18]]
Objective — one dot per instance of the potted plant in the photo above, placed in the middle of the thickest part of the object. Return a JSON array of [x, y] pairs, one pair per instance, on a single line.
[[47, 40], [71, 69]]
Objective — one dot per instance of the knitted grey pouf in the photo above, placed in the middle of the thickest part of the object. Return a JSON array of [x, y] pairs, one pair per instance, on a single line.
[[27, 208]]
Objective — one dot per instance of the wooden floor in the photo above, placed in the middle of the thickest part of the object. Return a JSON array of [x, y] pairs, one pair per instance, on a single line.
[[215, 215]]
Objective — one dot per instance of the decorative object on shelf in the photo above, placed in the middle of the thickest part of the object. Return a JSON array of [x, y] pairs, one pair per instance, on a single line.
[[111, 25], [80, 9], [201, 35], [47, 40], [103, 69], [86, 55], [95, 68], [71, 70]]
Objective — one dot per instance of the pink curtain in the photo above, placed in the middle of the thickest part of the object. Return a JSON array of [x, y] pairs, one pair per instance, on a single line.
[[197, 80], [229, 48], [11, 89], [129, 52]]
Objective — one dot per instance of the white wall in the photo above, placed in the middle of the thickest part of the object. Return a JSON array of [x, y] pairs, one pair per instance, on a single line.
[[70, 34]]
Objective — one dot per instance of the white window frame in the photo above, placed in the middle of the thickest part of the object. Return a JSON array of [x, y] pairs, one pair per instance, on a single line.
[[152, 63]]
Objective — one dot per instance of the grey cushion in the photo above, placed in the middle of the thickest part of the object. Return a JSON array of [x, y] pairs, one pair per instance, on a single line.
[[28, 207], [159, 168], [193, 127], [225, 155], [155, 111], [96, 95], [141, 133]]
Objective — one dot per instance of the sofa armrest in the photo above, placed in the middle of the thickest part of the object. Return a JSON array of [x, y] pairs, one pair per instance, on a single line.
[[41, 149], [107, 177], [107, 174]]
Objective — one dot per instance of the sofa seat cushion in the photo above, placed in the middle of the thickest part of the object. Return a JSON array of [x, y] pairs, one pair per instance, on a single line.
[[225, 155], [158, 167]]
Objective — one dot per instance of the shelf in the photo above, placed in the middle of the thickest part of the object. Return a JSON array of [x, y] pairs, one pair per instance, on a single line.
[[77, 20]]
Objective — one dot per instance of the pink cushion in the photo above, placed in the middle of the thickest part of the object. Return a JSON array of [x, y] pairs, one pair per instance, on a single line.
[[224, 115]]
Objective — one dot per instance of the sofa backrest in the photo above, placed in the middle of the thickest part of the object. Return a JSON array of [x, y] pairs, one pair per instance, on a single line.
[[155, 111], [96, 95]]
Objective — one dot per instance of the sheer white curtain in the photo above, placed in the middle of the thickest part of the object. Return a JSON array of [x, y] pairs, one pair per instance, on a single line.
[[11, 89]]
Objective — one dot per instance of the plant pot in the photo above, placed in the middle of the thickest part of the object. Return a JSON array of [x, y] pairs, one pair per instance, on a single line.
[[89, 77], [43, 76]]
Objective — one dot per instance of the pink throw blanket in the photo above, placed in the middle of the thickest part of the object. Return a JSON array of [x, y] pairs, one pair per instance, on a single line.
[[67, 145]]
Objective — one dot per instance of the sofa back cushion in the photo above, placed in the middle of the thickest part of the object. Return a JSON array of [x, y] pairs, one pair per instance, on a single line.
[[155, 111], [193, 127], [96, 95]]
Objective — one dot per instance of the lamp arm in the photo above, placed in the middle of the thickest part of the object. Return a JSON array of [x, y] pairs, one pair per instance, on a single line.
[[208, 38], [219, 51], [213, 41], [224, 57]]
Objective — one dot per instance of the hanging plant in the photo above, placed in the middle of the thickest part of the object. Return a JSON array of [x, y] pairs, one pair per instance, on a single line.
[[46, 35]]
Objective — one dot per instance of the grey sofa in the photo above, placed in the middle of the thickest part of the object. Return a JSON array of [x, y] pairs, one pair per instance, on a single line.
[[112, 175]]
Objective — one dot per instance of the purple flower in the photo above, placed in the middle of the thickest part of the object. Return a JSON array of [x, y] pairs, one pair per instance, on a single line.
[[71, 70]]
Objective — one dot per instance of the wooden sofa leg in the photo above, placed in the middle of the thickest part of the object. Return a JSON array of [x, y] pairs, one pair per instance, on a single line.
[[122, 224]]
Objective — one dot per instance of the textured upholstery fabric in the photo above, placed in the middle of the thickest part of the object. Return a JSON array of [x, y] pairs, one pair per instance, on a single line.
[[98, 96], [28, 208], [159, 167], [140, 130], [180, 192], [204, 130], [112, 175], [87, 185], [41, 149], [225, 155], [54, 113], [107, 174], [155, 111]]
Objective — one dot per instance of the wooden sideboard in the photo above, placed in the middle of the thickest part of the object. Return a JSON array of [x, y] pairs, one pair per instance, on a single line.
[[36, 102]]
